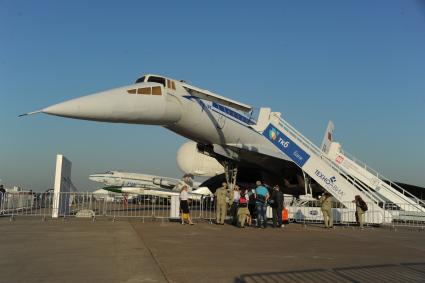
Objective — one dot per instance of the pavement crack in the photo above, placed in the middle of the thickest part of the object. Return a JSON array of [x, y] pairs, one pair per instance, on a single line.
[[164, 273]]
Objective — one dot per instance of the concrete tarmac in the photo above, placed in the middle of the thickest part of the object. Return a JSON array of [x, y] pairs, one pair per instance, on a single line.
[[79, 250]]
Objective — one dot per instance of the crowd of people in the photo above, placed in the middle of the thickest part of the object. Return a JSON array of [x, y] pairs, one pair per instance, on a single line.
[[245, 207], [248, 207]]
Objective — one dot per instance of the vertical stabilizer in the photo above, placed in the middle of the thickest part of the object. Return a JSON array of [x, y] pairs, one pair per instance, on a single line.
[[327, 139]]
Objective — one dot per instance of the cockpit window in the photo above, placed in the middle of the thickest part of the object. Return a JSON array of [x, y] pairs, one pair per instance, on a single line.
[[157, 80], [140, 80], [156, 90], [144, 90]]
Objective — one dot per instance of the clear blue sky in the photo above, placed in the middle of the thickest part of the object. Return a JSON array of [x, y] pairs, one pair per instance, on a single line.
[[359, 63]]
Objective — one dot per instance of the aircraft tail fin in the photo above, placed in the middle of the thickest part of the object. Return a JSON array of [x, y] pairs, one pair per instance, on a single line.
[[327, 139]]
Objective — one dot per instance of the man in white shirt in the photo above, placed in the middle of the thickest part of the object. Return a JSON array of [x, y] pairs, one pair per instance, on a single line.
[[234, 198]]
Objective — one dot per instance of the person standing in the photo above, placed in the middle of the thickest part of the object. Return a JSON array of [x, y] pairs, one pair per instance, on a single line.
[[234, 199], [221, 209], [326, 206], [251, 206], [261, 198], [2, 192], [243, 211], [184, 205], [277, 206], [361, 208]]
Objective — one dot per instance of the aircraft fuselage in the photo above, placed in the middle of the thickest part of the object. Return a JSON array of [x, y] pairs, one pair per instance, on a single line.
[[219, 123]]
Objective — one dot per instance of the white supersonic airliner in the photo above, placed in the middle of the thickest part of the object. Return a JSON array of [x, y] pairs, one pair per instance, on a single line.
[[222, 128], [266, 148]]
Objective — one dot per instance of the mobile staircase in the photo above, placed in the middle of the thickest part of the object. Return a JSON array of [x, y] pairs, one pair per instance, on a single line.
[[337, 180], [396, 200]]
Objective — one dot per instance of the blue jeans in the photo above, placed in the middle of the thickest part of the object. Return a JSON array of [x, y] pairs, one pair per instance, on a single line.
[[261, 214]]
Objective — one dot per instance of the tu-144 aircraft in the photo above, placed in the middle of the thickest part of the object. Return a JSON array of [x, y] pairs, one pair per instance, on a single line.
[[222, 128], [226, 130]]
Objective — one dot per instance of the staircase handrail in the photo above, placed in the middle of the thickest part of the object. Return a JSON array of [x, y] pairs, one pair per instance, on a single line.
[[297, 135], [320, 153], [382, 177]]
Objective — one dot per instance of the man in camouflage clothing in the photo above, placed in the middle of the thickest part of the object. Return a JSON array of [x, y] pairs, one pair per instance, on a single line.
[[220, 196]]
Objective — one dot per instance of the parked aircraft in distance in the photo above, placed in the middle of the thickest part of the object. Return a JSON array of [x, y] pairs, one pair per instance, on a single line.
[[109, 196], [133, 184], [127, 179], [135, 191]]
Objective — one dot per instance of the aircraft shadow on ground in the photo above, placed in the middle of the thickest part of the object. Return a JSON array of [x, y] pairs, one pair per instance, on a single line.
[[403, 272]]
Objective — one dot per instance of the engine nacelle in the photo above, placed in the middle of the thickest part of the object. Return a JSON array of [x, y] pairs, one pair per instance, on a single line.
[[191, 161]]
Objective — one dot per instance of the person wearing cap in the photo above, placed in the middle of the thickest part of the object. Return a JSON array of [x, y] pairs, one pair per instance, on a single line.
[[221, 210]]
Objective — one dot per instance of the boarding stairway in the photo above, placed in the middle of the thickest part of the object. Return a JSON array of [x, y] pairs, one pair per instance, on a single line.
[[380, 186], [327, 173]]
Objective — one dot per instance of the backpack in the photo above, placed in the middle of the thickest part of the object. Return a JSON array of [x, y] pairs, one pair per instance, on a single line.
[[243, 202], [363, 205]]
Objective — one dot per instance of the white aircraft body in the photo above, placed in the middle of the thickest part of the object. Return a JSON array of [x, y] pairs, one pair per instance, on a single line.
[[194, 194], [111, 194], [126, 179], [221, 127]]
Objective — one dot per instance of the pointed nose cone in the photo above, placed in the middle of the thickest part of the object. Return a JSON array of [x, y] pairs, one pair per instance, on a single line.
[[65, 109], [119, 106], [90, 107]]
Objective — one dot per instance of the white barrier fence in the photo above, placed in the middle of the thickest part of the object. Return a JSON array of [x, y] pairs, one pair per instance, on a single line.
[[201, 208], [395, 215], [98, 205]]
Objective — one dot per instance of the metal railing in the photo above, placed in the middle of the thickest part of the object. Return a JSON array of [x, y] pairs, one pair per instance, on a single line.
[[318, 152], [342, 214], [78, 204], [87, 204], [365, 189], [394, 215], [386, 180]]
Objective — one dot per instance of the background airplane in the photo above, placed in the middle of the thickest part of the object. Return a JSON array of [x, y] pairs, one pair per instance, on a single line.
[[197, 193], [127, 179]]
